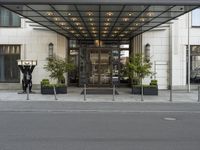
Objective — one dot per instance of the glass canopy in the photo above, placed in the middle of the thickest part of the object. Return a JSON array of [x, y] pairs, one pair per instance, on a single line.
[[99, 21]]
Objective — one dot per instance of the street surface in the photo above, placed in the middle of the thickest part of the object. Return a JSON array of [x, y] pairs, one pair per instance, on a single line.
[[149, 127]]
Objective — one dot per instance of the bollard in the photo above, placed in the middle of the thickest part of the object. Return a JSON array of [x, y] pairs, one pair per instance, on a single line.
[[27, 91], [54, 91], [198, 93], [85, 92], [113, 92]]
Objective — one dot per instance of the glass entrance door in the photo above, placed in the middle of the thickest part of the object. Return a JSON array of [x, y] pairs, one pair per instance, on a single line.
[[100, 67]]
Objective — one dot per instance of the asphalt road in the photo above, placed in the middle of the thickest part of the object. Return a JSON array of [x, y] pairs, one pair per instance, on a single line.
[[99, 130]]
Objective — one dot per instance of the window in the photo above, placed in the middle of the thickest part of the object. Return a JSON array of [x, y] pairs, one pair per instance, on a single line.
[[9, 19], [9, 72], [196, 18]]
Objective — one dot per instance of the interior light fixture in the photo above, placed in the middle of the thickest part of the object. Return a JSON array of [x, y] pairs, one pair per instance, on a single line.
[[72, 31], [105, 31], [115, 32], [80, 28], [92, 24], [121, 35], [106, 28]]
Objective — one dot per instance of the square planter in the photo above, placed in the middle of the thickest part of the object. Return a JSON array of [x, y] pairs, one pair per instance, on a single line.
[[146, 90], [49, 90]]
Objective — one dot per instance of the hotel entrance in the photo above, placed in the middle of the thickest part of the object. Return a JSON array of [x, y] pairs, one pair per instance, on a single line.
[[100, 67]]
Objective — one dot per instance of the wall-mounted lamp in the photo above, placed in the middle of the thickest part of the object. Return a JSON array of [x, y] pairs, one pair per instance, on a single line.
[[51, 49], [147, 52]]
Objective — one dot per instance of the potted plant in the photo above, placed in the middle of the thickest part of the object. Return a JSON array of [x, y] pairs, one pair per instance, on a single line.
[[57, 67], [138, 68]]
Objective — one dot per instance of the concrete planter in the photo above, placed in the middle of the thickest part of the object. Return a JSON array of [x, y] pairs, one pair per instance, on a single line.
[[49, 90], [146, 90]]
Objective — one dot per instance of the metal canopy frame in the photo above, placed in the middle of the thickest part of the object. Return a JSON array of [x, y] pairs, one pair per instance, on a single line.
[[100, 20]]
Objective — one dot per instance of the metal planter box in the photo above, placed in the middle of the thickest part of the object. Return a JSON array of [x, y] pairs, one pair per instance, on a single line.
[[146, 91], [49, 90]]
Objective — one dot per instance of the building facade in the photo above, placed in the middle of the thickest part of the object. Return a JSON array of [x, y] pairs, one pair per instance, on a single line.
[[99, 66]]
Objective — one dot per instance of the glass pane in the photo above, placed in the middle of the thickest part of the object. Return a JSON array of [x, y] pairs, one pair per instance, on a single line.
[[195, 17], [124, 57], [9, 54], [5, 16]]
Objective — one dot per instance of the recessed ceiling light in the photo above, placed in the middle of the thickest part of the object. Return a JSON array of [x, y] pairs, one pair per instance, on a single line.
[[93, 28], [130, 14], [92, 24], [50, 14], [94, 31], [90, 13], [136, 24], [80, 28], [62, 23], [108, 19], [109, 13], [91, 19], [72, 31], [74, 19], [125, 19], [107, 24], [67, 28], [77, 23], [106, 28], [150, 14], [105, 31], [142, 19], [56, 19], [121, 35], [69, 14], [115, 31]]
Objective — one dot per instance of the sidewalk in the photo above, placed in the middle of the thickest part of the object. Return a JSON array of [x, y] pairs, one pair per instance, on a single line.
[[124, 96]]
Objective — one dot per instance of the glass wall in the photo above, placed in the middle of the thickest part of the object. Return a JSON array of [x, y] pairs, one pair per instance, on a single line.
[[98, 66], [9, 19], [9, 72]]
